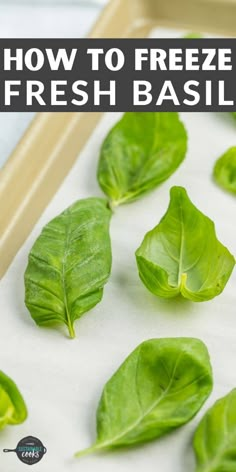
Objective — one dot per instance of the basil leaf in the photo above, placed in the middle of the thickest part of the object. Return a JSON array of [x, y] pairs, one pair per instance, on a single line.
[[225, 170], [193, 35], [69, 264], [159, 387], [183, 255], [215, 437], [12, 406], [140, 152]]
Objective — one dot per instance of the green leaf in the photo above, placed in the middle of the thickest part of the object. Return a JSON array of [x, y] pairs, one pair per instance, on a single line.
[[12, 406], [140, 152], [225, 170], [215, 437], [183, 255], [193, 35], [69, 264], [158, 388]]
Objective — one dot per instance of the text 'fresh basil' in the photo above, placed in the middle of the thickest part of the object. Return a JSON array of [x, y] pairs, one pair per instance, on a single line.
[[12, 406], [140, 152], [69, 264], [159, 387], [215, 438], [183, 255]]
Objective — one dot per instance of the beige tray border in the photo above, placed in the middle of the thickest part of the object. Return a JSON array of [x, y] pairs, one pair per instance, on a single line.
[[51, 144]]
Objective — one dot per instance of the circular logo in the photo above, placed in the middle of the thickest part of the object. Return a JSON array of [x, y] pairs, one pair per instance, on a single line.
[[29, 450]]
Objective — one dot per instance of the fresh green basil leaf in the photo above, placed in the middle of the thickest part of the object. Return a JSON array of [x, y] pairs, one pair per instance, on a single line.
[[193, 35], [69, 264], [183, 255], [225, 170], [140, 152], [12, 406], [215, 437], [158, 388]]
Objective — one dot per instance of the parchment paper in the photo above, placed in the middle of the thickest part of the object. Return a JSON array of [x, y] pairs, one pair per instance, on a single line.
[[62, 379]]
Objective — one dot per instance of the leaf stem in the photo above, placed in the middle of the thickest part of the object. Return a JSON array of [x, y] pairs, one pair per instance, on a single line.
[[112, 205], [85, 452], [71, 329]]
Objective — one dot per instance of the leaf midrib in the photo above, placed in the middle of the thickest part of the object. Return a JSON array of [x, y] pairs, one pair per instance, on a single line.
[[64, 262], [105, 444], [182, 238]]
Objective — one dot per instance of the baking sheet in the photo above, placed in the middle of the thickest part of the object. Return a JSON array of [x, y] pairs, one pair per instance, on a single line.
[[62, 379], [54, 139]]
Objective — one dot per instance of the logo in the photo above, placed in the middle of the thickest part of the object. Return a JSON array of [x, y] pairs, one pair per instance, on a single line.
[[29, 450]]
